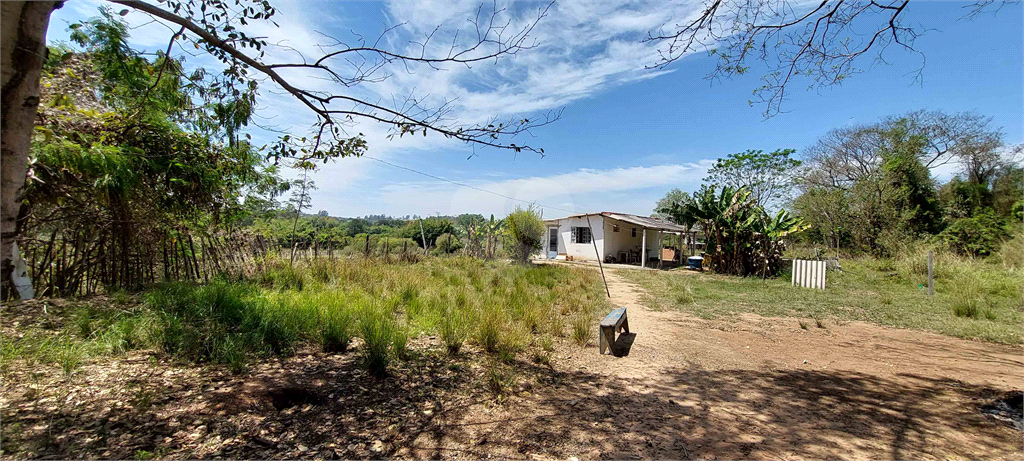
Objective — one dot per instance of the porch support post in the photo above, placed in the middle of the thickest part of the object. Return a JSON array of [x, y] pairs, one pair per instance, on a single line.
[[661, 248], [643, 248]]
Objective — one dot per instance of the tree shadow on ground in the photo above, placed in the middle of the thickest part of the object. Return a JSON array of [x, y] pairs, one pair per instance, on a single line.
[[312, 405], [324, 406], [744, 414]]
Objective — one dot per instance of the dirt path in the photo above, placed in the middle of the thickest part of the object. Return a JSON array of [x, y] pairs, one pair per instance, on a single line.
[[760, 388]]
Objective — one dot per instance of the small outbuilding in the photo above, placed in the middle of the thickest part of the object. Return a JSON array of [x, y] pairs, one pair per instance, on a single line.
[[615, 238]]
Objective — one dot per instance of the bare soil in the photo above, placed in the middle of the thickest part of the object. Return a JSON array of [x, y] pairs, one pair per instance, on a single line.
[[683, 388]]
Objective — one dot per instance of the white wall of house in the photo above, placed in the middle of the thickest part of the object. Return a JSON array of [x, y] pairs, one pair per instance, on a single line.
[[580, 251]]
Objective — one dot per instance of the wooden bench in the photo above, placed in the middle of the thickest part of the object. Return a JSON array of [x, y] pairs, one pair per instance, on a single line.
[[611, 324]]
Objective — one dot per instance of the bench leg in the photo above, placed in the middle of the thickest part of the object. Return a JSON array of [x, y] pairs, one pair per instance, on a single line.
[[625, 324], [605, 336]]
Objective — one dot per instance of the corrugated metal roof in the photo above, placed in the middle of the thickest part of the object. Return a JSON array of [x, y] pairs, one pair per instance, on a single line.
[[643, 221]]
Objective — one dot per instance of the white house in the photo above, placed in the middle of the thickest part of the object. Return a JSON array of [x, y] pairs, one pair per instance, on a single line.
[[616, 237]]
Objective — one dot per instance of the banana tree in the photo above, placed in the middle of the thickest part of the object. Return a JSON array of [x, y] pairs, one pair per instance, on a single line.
[[721, 215], [742, 239], [493, 229], [771, 232]]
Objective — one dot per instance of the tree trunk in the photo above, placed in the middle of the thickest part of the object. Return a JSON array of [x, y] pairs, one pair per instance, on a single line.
[[22, 52]]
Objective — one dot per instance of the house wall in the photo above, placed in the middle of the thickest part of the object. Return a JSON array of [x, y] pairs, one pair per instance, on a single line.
[[580, 251], [608, 241]]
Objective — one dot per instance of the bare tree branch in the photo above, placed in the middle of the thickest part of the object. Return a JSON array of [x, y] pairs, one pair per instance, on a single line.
[[820, 41], [494, 40]]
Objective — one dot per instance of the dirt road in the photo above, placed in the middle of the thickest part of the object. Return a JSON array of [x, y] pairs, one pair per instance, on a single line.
[[760, 388]]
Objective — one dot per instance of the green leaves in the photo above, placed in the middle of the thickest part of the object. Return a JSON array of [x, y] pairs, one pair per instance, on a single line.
[[768, 176], [742, 239]]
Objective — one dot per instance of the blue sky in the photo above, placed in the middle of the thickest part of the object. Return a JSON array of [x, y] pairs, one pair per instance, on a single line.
[[627, 135]]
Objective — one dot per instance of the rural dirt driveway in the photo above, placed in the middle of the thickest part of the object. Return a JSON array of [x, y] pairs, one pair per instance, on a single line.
[[758, 388]]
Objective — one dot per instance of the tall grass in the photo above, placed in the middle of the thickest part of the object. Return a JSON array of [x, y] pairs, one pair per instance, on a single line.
[[378, 333], [974, 298], [492, 305]]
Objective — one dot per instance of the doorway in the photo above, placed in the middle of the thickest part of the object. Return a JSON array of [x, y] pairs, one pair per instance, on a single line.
[[552, 242]]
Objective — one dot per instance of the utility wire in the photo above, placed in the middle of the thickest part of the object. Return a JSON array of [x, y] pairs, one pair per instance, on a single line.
[[466, 185]]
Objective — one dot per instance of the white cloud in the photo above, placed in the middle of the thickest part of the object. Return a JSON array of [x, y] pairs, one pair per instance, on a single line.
[[582, 49], [616, 189]]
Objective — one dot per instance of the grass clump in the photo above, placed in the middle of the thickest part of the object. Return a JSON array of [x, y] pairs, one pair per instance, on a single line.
[[547, 344], [453, 330], [967, 298], [336, 327], [400, 343], [581, 331], [499, 380], [377, 328], [488, 333]]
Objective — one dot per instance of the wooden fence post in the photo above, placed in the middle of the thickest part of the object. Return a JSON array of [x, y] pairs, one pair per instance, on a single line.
[[931, 288], [424, 237]]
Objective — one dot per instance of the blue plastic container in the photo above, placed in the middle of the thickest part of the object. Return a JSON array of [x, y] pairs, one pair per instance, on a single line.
[[695, 262]]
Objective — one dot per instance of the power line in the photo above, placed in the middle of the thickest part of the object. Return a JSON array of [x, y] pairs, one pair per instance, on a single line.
[[466, 185]]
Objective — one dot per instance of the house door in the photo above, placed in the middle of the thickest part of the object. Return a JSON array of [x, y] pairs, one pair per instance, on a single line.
[[552, 242]]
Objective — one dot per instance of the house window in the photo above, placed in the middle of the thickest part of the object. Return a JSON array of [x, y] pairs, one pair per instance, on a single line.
[[634, 232], [615, 227], [581, 235]]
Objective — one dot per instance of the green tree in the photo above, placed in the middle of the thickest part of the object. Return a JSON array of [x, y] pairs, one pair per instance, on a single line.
[[139, 195], [218, 28], [910, 190], [673, 206], [356, 226], [471, 226], [768, 176], [742, 239], [524, 233], [827, 213], [432, 228]]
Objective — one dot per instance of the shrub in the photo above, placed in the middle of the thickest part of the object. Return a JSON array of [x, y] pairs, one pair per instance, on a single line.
[[979, 235], [447, 243], [524, 233]]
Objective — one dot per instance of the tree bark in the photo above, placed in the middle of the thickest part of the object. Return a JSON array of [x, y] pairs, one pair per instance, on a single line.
[[22, 53]]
